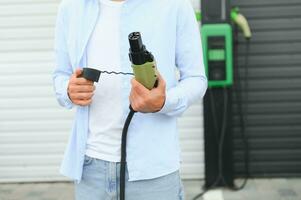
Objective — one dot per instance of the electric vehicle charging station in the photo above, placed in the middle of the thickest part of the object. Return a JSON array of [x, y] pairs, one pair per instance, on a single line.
[[218, 59], [218, 47]]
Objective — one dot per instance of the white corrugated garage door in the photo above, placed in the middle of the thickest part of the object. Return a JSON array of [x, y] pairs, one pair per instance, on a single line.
[[33, 128]]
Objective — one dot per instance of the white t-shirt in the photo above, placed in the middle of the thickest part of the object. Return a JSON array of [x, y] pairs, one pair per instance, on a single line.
[[105, 116]]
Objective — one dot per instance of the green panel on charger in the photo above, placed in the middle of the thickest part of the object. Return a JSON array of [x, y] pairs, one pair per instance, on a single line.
[[218, 30], [216, 54]]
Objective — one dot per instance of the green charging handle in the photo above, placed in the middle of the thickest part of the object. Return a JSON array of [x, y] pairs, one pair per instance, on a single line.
[[146, 74]]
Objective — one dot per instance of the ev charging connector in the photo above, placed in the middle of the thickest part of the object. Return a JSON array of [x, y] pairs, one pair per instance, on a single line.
[[145, 71], [143, 62], [241, 21]]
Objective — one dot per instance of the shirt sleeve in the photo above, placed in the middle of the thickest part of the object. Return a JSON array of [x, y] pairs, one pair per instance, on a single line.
[[189, 61], [63, 69]]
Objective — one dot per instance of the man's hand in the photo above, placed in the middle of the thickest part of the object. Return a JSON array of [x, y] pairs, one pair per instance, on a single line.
[[80, 90], [146, 101]]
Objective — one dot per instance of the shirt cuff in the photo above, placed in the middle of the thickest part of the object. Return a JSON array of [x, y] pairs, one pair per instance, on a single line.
[[169, 104]]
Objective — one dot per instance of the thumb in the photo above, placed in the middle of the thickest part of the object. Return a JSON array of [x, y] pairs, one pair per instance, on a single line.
[[78, 72]]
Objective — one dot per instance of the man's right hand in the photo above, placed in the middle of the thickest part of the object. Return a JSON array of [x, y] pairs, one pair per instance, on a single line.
[[80, 90]]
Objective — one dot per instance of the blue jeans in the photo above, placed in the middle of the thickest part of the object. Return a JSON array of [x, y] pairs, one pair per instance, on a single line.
[[100, 181]]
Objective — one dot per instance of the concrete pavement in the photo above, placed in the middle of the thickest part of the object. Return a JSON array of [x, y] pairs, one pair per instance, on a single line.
[[256, 189]]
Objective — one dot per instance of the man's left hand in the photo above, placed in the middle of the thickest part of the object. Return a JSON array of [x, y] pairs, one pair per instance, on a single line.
[[147, 101]]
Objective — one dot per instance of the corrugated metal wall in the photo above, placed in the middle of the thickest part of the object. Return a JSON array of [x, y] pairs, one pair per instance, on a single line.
[[274, 88], [33, 128], [191, 127]]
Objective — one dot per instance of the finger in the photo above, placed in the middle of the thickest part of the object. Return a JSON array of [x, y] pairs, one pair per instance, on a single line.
[[78, 72], [81, 96], [81, 88], [135, 106], [135, 100], [132, 101], [85, 96], [83, 102], [131, 98], [139, 88], [139, 102], [83, 81], [137, 97]]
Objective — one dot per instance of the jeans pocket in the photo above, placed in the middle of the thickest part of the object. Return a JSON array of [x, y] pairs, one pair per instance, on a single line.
[[88, 160]]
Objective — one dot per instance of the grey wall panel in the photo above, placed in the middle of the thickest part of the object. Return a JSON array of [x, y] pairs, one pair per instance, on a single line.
[[273, 103]]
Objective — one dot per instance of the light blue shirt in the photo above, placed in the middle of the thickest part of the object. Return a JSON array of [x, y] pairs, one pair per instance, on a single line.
[[170, 31]]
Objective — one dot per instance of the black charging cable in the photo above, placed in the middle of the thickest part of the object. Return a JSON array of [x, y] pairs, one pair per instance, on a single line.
[[116, 73], [123, 152], [242, 101], [219, 139], [242, 110], [94, 74]]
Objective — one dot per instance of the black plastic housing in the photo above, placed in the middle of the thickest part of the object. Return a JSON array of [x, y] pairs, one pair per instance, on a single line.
[[91, 74], [138, 53], [215, 11]]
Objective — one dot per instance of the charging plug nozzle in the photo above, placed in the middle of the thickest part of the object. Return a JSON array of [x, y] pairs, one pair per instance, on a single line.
[[136, 42], [241, 21], [138, 53]]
